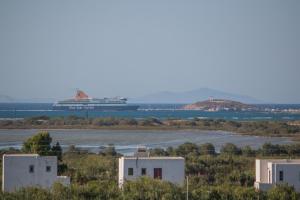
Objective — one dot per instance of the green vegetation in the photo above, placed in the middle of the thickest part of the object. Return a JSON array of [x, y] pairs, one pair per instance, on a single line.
[[212, 176], [41, 144], [265, 128]]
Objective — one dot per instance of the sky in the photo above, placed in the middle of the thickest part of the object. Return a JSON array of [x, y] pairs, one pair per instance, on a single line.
[[134, 48]]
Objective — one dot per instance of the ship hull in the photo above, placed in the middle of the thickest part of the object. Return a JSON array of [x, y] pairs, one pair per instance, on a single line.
[[96, 108]]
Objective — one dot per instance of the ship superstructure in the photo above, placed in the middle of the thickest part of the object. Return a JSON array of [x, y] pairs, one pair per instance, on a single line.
[[82, 101]]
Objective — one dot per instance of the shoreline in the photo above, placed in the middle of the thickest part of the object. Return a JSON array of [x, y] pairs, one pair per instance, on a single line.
[[291, 138], [131, 139], [107, 129], [294, 138], [289, 129]]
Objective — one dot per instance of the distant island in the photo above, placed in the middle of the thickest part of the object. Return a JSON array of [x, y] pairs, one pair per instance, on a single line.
[[200, 94], [219, 105]]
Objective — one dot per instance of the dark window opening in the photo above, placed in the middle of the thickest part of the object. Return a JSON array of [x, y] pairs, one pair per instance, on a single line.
[[48, 168], [130, 171], [281, 175], [144, 171], [157, 173], [31, 168]]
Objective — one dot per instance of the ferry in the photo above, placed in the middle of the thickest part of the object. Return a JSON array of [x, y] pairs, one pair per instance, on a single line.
[[82, 101]]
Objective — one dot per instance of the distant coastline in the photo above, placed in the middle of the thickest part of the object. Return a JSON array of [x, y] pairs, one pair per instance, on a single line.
[[215, 105]]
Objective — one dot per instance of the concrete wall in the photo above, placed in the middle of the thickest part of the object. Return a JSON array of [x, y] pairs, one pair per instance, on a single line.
[[121, 171], [172, 168], [16, 173], [290, 168], [258, 170], [272, 171], [262, 186], [261, 167], [291, 174], [65, 180], [261, 171]]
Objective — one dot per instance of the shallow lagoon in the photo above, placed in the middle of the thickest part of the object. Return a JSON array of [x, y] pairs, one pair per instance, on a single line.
[[126, 141]]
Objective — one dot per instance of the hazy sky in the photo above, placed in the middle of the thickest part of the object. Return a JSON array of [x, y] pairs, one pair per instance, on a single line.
[[133, 48]]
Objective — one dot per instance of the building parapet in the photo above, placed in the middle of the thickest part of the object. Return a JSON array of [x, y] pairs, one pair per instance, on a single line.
[[262, 186]]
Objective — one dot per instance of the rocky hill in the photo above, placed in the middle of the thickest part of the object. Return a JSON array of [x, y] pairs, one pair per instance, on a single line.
[[218, 105], [191, 96]]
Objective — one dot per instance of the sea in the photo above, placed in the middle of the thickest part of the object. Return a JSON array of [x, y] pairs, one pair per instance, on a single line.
[[160, 111]]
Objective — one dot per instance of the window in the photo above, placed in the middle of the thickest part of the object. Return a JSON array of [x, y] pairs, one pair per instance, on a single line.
[[31, 168], [157, 173], [281, 175], [48, 168], [144, 171], [130, 171]]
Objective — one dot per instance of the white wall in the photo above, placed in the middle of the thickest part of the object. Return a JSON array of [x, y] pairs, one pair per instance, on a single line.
[[270, 169], [121, 171], [262, 186], [15, 171], [261, 167], [264, 171], [258, 170], [290, 168], [291, 174], [65, 180], [172, 168], [261, 170]]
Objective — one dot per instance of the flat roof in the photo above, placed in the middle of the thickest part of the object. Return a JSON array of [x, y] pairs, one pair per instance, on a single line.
[[152, 158], [281, 161], [20, 155], [27, 155], [286, 163]]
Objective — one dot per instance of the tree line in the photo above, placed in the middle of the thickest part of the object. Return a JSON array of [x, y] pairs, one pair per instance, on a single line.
[[270, 128]]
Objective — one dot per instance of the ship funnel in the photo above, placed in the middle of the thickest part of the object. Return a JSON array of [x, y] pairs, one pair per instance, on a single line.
[[81, 95]]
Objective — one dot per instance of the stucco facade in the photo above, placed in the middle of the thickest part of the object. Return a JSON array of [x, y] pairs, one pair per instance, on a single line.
[[25, 170], [165, 168], [277, 171]]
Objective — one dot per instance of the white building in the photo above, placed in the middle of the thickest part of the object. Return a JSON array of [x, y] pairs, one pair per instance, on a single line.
[[277, 171], [25, 170], [165, 168]]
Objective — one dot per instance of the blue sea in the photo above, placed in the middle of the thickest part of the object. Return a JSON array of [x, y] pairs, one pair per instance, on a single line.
[[161, 111]]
